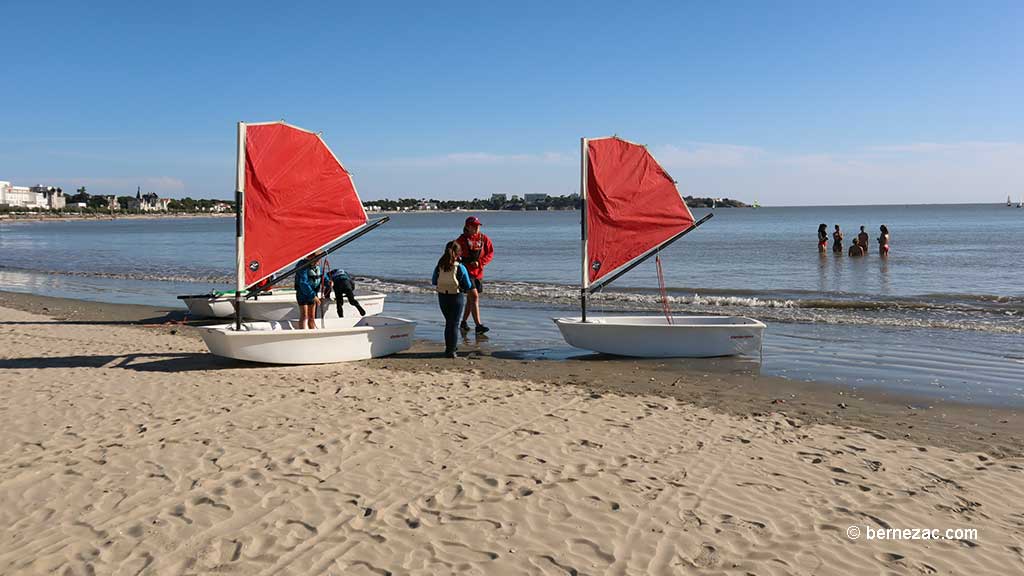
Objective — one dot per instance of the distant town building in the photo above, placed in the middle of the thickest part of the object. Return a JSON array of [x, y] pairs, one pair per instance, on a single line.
[[220, 207], [535, 199], [502, 198], [18, 196], [148, 202], [425, 205], [515, 198], [112, 203], [48, 197]]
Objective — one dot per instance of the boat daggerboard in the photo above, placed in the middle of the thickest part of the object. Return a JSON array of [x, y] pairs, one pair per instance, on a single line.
[[633, 205], [297, 198]]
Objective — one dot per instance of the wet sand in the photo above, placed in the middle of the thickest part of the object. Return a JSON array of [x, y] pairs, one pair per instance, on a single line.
[[127, 449], [718, 384]]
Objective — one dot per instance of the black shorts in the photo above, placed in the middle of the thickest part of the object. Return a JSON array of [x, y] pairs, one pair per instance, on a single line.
[[478, 284]]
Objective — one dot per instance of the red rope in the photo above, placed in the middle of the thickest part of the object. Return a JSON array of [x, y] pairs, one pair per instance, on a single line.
[[664, 295]]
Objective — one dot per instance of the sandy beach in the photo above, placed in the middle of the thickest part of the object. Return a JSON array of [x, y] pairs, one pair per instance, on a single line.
[[127, 449]]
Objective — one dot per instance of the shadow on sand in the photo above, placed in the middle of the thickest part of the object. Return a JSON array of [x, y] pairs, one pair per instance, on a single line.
[[170, 320], [154, 362]]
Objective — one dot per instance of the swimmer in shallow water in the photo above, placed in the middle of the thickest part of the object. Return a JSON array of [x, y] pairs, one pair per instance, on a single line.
[[837, 241]]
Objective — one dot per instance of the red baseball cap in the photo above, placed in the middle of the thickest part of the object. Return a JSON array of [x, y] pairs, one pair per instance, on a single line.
[[472, 220]]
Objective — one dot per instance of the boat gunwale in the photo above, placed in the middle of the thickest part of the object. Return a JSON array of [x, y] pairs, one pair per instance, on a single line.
[[229, 330], [577, 321], [256, 298]]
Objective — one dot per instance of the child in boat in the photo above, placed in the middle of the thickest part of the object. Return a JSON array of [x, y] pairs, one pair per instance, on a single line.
[[837, 241], [307, 289], [883, 241], [452, 280], [822, 238], [344, 289]]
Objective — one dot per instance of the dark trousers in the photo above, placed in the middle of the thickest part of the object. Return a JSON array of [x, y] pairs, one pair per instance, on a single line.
[[451, 307], [344, 289]]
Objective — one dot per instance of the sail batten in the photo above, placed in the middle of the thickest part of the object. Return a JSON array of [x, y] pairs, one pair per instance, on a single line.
[[632, 205], [298, 198]]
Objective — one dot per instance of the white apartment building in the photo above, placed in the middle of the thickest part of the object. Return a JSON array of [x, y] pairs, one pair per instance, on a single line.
[[31, 197], [20, 196]]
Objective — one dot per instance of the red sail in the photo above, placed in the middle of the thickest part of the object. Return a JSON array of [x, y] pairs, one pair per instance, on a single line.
[[632, 204], [298, 198]]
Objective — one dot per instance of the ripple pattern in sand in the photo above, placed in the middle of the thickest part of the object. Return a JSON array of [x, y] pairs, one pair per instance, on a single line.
[[127, 451]]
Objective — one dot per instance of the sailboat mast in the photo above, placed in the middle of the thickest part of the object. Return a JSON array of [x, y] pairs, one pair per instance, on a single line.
[[239, 228], [584, 276]]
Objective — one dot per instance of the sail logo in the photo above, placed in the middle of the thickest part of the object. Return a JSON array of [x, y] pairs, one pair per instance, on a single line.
[[254, 265]]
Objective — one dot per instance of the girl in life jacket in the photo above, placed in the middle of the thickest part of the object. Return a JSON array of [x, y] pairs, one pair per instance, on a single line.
[[452, 281]]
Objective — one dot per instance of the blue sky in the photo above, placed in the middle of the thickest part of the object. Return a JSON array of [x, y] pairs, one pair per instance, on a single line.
[[782, 102]]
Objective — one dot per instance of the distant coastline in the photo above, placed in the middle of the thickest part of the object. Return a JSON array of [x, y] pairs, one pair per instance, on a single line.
[[51, 216], [62, 216], [690, 201]]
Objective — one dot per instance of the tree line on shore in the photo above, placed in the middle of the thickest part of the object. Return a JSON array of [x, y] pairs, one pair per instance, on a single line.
[[568, 202], [97, 204]]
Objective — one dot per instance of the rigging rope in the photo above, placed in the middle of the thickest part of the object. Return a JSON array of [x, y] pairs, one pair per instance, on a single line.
[[665, 308]]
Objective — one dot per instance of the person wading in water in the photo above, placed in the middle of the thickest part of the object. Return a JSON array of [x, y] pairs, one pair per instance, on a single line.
[[477, 252], [883, 240], [862, 239]]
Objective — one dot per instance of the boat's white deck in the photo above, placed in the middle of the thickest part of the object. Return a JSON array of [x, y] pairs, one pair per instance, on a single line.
[[323, 326]]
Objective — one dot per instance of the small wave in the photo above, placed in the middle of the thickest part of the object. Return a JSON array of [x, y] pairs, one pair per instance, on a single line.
[[949, 312], [195, 278]]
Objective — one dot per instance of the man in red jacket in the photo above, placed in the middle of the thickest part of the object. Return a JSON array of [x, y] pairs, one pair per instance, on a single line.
[[477, 252]]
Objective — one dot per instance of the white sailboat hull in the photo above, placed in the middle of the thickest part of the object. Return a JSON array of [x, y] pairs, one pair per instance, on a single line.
[[654, 337], [276, 306], [334, 340], [206, 306]]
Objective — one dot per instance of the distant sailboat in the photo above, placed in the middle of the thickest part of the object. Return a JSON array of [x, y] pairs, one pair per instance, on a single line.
[[1009, 202], [1021, 203]]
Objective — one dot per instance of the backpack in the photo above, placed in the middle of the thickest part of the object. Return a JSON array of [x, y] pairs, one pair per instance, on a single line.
[[448, 280]]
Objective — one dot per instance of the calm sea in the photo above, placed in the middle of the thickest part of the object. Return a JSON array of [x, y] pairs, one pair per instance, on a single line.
[[952, 287]]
